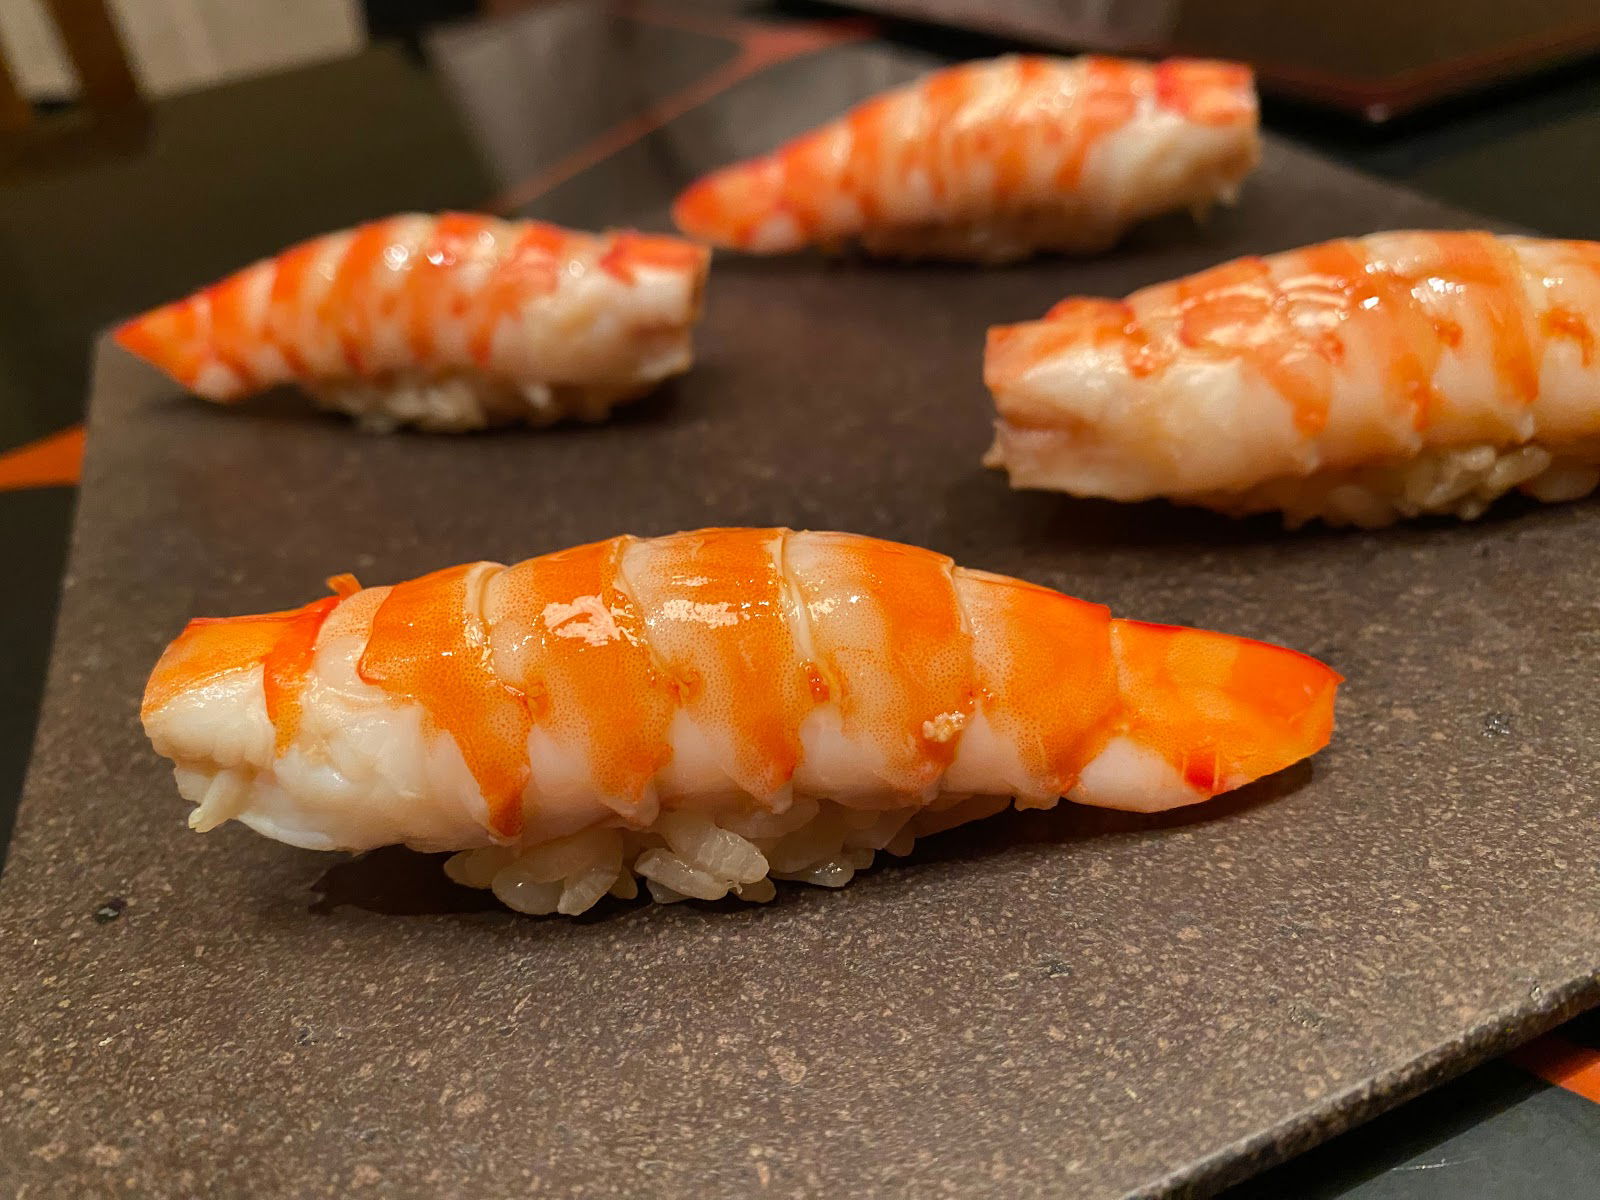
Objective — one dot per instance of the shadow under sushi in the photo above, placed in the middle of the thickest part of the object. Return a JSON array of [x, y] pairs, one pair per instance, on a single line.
[[395, 881]]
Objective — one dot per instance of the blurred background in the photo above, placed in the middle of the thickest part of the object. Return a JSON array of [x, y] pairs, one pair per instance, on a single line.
[[173, 46], [1374, 56], [149, 145]]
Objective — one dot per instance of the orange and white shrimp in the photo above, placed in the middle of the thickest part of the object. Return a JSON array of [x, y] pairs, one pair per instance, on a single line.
[[994, 161], [446, 322], [1355, 381], [709, 710]]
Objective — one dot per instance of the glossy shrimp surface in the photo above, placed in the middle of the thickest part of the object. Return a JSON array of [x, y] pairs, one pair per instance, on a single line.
[[1357, 381], [448, 322], [706, 711], [994, 160]]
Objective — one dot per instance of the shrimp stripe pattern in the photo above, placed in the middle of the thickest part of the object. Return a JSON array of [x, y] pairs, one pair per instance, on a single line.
[[994, 160], [616, 684], [1325, 366], [449, 321]]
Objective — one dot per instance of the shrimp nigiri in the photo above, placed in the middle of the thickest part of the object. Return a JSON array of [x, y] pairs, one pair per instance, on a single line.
[[708, 711], [1353, 381], [448, 322], [994, 161]]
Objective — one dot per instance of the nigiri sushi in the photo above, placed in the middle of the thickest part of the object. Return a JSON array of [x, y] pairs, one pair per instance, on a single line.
[[448, 322], [1356, 381], [994, 161], [708, 711]]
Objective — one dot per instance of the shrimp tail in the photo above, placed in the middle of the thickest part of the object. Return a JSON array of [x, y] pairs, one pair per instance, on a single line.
[[175, 338], [742, 205], [1202, 713]]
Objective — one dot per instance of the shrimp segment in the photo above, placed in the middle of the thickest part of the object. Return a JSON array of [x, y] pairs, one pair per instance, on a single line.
[[1046, 686], [993, 161], [448, 322], [1357, 381], [886, 630], [570, 638], [714, 614], [429, 642], [705, 710]]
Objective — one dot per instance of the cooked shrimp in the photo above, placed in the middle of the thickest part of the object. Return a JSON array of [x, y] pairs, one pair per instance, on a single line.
[[446, 322], [707, 711], [994, 161], [1354, 381]]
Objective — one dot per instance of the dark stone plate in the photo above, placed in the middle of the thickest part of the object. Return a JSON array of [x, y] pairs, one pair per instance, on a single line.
[[1072, 1003]]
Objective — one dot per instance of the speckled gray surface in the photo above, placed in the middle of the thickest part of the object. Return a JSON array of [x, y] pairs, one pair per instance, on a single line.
[[1074, 1003]]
